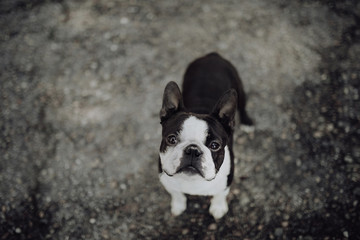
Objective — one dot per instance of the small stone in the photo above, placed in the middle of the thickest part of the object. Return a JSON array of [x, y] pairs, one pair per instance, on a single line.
[[94, 65], [124, 20], [123, 186], [244, 200], [298, 162], [278, 232], [185, 231], [114, 47], [114, 184], [346, 234], [236, 191], [212, 227], [330, 127], [133, 9], [285, 224], [105, 235], [107, 35], [92, 220], [318, 134], [18, 230], [348, 159], [308, 93], [223, 46]]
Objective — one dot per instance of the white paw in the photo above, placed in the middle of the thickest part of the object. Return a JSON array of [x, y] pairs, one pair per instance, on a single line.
[[178, 206], [218, 209]]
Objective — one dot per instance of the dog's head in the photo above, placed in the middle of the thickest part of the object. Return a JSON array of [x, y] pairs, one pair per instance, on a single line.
[[194, 144]]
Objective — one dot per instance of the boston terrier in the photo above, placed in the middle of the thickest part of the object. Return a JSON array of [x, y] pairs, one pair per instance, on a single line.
[[196, 155]]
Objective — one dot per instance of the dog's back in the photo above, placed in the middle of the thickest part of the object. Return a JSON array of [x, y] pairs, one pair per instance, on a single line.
[[206, 80]]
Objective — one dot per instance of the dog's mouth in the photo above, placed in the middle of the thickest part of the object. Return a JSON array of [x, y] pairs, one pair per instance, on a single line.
[[189, 170]]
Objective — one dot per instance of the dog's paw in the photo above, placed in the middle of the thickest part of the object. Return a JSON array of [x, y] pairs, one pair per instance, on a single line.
[[178, 205], [218, 209]]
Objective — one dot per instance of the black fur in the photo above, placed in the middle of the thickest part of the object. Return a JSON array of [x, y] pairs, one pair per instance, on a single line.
[[206, 80]]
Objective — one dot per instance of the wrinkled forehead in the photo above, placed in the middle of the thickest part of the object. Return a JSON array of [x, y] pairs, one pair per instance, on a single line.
[[194, 129]]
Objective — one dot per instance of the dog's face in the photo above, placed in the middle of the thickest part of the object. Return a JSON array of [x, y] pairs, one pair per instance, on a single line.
[[194, 144]]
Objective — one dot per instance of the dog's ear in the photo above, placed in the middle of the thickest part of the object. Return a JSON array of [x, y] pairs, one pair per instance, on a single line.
[[225, 109], [172, 101]]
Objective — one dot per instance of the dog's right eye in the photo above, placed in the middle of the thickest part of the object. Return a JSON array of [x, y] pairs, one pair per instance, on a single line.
[[171, 139]]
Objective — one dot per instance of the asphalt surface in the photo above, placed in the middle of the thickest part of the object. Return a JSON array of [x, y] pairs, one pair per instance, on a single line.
[[80, 90]]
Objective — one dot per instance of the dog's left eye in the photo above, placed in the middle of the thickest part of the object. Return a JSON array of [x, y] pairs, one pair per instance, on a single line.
[[171, 139], [214, 146]]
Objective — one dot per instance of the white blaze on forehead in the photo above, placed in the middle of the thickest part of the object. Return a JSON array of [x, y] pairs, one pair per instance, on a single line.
[[194, 129]]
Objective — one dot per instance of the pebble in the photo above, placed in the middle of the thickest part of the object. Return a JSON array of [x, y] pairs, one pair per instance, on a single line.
[[285, 224], [18, 230], [318, 134], [212, 227], [92, 220], [124, 20], [330, 127], [114, 47], [185, 231], [348, 159], [298, 162], [278, 232], [123, 186], [236, 191], [346, 234]]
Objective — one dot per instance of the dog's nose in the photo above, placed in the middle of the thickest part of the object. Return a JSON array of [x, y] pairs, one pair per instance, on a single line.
[[193, 150]]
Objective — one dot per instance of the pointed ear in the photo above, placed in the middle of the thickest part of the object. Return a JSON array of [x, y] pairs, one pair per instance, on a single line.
[[172, 101], [225, 108]]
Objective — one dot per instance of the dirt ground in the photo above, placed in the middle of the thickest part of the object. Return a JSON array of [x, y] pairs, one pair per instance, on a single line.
[[81, 85]]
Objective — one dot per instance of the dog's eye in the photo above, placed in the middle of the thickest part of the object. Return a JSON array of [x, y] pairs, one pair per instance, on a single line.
[[214, 145], [171, 139]]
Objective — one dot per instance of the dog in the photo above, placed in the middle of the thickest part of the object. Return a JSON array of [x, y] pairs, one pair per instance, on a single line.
[[196, 151]]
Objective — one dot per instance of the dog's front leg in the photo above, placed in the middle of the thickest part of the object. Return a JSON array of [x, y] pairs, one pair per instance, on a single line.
[[219, 206], [178, 202]]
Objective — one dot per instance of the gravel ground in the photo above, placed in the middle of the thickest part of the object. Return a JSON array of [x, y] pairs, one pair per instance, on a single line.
[[81, 85]]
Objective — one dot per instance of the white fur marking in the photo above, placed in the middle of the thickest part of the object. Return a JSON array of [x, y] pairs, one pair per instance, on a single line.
[[194, 130], [197, 185]]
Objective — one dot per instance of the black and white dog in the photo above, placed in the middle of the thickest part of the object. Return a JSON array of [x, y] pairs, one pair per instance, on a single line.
[[196, 155]]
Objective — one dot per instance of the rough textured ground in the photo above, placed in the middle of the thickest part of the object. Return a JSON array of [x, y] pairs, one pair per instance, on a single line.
[[80, 90]]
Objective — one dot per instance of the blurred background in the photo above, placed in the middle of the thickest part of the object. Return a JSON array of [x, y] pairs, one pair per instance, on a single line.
[[81, 86]]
